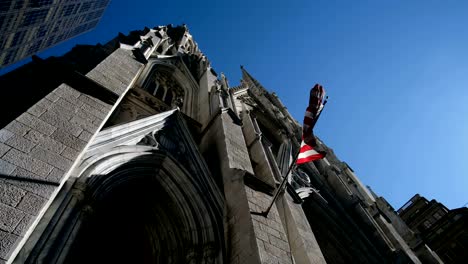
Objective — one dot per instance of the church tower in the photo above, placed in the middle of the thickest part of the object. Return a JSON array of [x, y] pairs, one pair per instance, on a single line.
[[138, 151]]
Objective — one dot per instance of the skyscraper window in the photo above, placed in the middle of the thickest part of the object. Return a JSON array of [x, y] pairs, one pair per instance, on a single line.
[[48, 22]]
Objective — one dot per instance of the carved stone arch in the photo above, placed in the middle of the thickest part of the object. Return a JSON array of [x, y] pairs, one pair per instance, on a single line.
[[190, 232], [141, 189], [135, 204], [178, 72], [124, 191]]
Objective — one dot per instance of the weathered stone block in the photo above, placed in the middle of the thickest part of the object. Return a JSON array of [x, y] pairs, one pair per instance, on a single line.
[[17, 128], [61, 112], [71, 104], [20, 143], [116, 72], [23, 225], [5, 135], [7, 242], [70, 153], [97, 122], [10, 195], [268, 258], [103, 77], [84, 123], [56, 175], [31, 204], [85, 135], [41, 189], [45, 141], [96, 103], [9, 217], [6, 168], [61, 121], [277, 242], [40, 107], [28, 163], [68, 140], [36, 123], [53, 97], [67, 92], [96, 112], [275, 225], [275, 251], [88, 117], [260, 245], [261, 235], [3, 149], [51, 158], [269, 230]]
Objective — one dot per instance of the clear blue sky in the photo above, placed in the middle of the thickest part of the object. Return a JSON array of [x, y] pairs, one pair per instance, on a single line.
[[396, 73]]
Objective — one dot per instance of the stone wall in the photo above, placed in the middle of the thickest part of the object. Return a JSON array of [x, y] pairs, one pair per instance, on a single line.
[[240, 237], [39, 148], [272, 239]]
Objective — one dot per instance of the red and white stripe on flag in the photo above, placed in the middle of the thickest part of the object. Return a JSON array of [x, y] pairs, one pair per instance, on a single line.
[[307, 135], [308, 153]]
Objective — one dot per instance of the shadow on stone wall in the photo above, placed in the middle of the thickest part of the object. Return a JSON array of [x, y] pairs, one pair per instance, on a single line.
[[25, 86]]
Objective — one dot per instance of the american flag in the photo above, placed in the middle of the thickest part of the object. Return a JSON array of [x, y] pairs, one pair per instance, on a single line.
[[316, 104]]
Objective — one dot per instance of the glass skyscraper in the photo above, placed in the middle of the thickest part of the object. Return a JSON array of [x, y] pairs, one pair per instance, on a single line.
[[29, 26]]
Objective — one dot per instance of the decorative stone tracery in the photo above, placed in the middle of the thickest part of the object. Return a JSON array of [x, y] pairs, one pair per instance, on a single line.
[[172, 75], [165, 88]]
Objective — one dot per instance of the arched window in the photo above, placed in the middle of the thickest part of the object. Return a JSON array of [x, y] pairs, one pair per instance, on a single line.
[[151, 87], [169, 96], [160, 92], [177, 89]]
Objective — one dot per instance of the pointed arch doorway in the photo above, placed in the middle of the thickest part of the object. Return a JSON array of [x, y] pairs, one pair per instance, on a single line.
[[142, 194], [137, 221], [146, 211]]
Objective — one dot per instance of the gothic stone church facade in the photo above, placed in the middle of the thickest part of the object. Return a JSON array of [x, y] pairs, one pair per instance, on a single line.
[[137, 151]]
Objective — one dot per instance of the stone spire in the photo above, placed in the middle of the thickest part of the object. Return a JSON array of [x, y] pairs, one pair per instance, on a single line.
[[249, 80]]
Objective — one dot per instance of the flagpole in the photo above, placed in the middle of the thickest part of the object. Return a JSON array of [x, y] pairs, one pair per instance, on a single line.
[[279, 190], [283, 183]]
